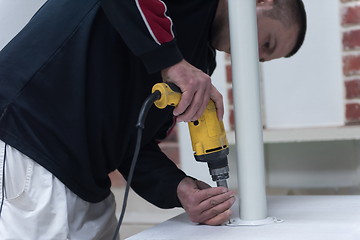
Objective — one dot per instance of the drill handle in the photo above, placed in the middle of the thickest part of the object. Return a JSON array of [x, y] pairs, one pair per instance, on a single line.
[[170, 94]]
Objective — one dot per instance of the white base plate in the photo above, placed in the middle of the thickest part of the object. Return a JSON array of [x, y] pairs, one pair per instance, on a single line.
[[237, 222]]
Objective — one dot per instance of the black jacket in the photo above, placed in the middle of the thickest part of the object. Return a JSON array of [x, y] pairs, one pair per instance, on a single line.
[[72, 83]]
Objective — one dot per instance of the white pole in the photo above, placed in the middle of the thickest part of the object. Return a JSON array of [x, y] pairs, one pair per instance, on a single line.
[[248, 125]]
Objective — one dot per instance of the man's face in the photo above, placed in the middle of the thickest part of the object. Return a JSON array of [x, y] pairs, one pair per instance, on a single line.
[[275, 40]]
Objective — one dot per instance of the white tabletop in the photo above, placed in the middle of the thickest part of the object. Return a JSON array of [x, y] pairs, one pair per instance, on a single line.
[[305, 217]]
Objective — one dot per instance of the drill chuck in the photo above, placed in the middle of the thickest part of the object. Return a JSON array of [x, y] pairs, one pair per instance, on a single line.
[[218, 165]]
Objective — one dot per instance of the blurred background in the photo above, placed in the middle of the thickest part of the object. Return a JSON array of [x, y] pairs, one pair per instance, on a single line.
[[310, 109]]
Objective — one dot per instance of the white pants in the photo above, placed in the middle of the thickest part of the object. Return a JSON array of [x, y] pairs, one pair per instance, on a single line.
[[37, 206]]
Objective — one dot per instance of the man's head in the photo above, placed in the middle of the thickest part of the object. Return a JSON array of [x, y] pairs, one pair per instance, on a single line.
[[281, 28]]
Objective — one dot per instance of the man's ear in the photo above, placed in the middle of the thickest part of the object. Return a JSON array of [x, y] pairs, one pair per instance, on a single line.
[[265, 4]]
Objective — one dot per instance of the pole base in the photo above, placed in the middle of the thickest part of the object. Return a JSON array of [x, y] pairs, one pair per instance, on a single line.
[[236, 222]]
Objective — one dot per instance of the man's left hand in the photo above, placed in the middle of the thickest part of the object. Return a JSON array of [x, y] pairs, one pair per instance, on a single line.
[[205, 204]]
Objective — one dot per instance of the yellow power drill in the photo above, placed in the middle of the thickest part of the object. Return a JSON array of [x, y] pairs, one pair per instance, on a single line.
[[208, 135]]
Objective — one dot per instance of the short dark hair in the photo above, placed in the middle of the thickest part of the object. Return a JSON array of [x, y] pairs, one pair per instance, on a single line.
[[291, 12], [302, 22]]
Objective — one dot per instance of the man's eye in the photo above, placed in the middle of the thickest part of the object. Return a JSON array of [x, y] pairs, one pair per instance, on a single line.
[[267, 45]]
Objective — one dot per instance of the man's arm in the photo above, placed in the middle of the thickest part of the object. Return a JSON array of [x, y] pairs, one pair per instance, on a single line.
[[148, 32], [158, 180], [155, 176]]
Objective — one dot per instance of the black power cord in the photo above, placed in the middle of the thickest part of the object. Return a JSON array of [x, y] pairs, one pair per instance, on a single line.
[[140, 125]]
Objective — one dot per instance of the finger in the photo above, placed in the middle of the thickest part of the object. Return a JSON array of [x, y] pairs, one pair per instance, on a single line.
[[186, 99], [219, 102], [198, 109], [201, 109], [205, 101], [215, 205], [202, 185], [199, 103], [202, 87], [216, 200], [211, 192], [193, 108], [201, 202], [219, 219], [217, 209]]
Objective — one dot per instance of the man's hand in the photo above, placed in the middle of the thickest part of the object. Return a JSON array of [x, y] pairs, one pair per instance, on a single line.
[[204, 204], [196, 88]]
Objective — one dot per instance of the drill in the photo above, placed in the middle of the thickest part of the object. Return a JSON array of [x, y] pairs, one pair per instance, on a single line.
[[208, 137]]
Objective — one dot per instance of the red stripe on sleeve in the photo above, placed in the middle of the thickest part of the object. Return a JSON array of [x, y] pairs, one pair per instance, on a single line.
[[156, 20]]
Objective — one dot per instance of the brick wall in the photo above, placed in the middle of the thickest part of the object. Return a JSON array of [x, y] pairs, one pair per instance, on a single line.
[[350, 15], [350, 11], [229, 92]]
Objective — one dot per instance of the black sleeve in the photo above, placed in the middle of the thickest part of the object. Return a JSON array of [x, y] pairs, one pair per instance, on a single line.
[[146, 29], [156, 177]]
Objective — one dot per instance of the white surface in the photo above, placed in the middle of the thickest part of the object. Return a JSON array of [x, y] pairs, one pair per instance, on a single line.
[[218, 79], [305, 218], [188, 163], [307, 134], [248, 122], [307, 89], [14, 14]]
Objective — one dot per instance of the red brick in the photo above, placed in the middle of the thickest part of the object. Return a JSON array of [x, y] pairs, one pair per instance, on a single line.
[[351, 65], [351, 15], [230, 96], [353, 112], [345, 1], [232, 119], [351, 40], [352, 89], [228, 74]]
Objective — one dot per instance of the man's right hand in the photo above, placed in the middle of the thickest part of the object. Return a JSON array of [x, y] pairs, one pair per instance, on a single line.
[[196, 88]]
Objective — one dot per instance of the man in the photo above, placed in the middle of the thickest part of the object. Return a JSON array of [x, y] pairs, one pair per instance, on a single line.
[[72, 85]]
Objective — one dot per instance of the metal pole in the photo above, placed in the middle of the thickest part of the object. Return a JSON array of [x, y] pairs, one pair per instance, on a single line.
[[248, 125]]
